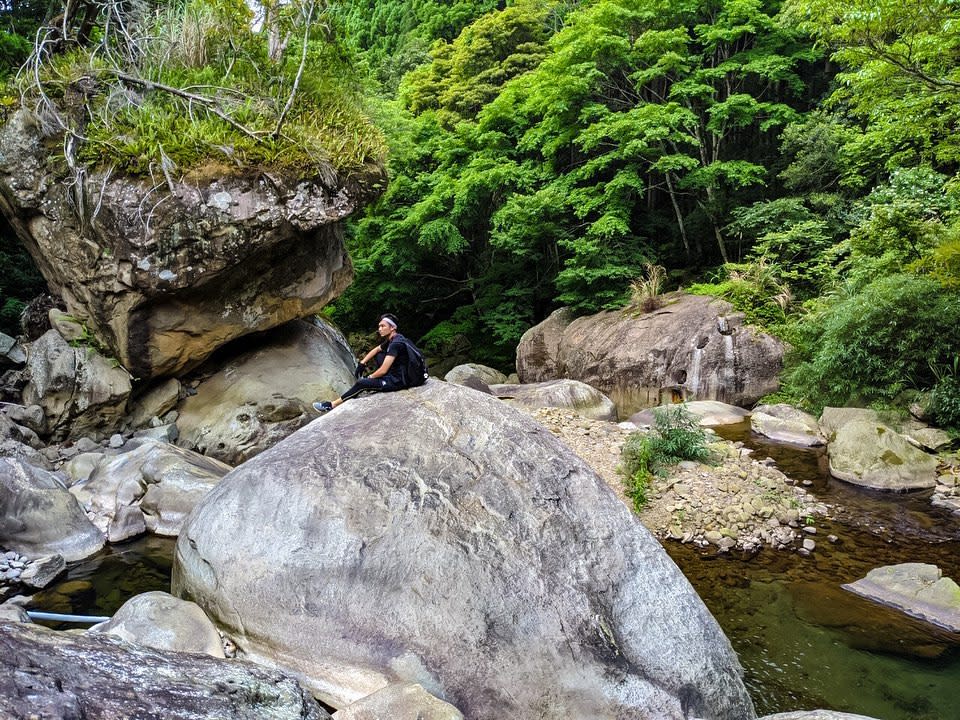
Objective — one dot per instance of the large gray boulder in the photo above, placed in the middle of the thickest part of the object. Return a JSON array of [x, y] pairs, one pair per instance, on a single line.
[[165, 274], [693, 348], [50, 674], [403, 701], [461, 374], [538, 352], [81, 391], [150, 486], [918, 589], [160, 620], [39, 516], [874, 455], [787, 424], [567, 394], [440, 537], [262, 395], [815, 715]]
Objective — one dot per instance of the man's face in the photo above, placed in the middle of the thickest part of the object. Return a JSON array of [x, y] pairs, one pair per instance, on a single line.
[[384, 328]]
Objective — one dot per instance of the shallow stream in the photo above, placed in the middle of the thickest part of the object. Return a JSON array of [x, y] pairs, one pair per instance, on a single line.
[[804, 642]]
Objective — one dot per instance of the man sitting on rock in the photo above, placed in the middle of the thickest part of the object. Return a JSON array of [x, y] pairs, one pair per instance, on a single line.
[[391, 356]]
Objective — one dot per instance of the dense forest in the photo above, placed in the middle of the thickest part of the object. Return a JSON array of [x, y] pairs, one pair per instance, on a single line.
[[797, 158]]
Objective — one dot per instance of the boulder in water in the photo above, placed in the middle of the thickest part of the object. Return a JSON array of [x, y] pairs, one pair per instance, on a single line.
[[440, 537], [918, 589]]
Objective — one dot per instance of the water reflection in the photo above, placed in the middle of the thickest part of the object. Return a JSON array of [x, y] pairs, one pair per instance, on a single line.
[[100, 584], [805, 642]]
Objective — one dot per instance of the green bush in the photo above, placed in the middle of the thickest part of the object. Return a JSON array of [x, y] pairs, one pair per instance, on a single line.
[[676, 436], [870, 346], [752, 288]]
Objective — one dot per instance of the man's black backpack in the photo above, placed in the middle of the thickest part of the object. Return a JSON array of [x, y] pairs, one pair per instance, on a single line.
[[415, 373]]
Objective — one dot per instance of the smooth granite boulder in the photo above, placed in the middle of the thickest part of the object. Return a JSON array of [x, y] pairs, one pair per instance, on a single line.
[[918, 589], [567, 394], [440, 537], [160, 620], [39, 516]]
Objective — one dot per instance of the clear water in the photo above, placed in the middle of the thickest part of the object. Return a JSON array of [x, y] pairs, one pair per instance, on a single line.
[[803, 641]]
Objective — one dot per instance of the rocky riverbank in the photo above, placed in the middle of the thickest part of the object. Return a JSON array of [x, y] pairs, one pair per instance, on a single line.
[[739, 503]]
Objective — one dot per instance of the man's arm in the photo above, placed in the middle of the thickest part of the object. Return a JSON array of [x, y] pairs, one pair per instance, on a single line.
[[384, 367]]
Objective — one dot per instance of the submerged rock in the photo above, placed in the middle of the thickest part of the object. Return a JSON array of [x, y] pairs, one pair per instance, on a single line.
[[918, 589], [50, 674], [462, 547]]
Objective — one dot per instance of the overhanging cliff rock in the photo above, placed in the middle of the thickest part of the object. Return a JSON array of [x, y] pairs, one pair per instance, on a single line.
[[164, 271]]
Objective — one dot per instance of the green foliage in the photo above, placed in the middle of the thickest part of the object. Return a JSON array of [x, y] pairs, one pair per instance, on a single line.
[[899, 77], [168, 94], [752, 288], [871, 345], [902, 221], [945, 397], [20, 281], [645, 291], [676, 436]]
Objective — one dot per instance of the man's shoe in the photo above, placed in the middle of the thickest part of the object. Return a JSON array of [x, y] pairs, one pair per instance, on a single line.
[[323, 407]]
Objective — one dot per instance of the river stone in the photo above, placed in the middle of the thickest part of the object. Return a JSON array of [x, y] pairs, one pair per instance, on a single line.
[[13, 613], [488, 375], [538, 351], [160, 620], [874, 455], [402, 701], [709, 413], [566, 394], [438, 536], [81, 392], [39, 516], [43, 571], [918, 589], [815, 715], [785, 423], [50, 674], [164, 275], [693, 348], [265, 393]]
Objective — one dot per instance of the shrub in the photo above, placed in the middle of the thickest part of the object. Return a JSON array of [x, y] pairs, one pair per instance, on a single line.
[[870, 346], [645, 292], [676, 436], [945, 397], [752, 288]]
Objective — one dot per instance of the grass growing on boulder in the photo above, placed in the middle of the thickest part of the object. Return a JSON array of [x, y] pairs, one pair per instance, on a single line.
[[158, 89], [676, 436]]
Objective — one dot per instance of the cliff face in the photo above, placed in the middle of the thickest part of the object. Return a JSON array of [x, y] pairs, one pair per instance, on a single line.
[[164, 271]]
